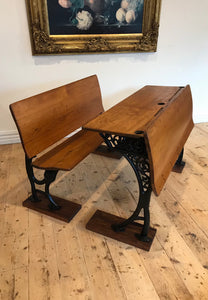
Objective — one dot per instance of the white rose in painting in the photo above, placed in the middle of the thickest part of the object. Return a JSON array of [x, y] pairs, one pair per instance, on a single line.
[[120, 15], [130, 16], [65, 3], [84, 19]]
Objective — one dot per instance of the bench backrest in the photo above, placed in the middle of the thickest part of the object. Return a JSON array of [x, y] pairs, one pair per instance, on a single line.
[[44, 119]]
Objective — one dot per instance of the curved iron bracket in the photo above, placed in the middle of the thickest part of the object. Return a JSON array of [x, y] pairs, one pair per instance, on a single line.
[[134, 150], [49, 177]]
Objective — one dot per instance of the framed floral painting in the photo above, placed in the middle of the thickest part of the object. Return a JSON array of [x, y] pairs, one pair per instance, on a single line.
[[93, 26]]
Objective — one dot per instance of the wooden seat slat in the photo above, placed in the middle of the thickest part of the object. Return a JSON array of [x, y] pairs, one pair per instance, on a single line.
[[70, 152]]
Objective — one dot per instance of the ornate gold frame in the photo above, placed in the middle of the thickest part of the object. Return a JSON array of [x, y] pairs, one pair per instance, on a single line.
[[44, 43]]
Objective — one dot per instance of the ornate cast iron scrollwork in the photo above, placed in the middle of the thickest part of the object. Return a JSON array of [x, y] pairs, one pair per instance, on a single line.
[[49, 177], [134, 150]]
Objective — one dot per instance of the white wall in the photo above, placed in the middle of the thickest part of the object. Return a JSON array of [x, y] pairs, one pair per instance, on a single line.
[[181, 58]]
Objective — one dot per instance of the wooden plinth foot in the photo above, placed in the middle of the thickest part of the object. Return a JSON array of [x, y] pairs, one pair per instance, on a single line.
[[101, 223], [178, 168], [66, 213], [104, 151]]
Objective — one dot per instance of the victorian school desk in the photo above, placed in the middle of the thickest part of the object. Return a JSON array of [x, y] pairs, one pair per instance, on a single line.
[[149, 128]]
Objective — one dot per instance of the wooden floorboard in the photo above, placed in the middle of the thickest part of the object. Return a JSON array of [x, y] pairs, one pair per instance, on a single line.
[[44, 258]]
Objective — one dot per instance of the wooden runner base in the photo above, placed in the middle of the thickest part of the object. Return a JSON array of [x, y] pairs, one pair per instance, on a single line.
[[66, 213], [178, 168], [101, 223]]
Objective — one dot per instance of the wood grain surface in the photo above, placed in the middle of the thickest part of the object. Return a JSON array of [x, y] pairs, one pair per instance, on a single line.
[[70, 152], [162, 115], [133, 113], [44, 258], [44, 119], [166, 136]]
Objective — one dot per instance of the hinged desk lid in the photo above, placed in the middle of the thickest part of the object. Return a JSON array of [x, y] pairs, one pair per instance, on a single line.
[[163, 115]]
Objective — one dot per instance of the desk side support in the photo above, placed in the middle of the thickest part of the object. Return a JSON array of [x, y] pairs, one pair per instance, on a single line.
[[43, 201], [152, 153], [134, 150], [128, 230], [43, 122]]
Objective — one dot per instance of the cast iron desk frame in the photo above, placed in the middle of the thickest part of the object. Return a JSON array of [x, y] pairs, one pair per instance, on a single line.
[[134, 149]]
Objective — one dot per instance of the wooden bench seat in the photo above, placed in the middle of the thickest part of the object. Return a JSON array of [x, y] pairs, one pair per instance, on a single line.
[[43, 122], [70, 152]]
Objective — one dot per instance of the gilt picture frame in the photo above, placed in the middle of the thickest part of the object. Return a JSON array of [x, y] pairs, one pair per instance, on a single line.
[[93, 26]]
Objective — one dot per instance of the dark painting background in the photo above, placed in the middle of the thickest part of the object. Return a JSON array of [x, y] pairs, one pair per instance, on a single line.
[[60, 21]]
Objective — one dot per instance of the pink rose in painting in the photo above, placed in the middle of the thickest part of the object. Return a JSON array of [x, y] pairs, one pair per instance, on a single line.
[[65, 3]]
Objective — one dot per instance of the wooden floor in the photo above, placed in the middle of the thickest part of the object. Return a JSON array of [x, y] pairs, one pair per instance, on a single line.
[[43, 258]]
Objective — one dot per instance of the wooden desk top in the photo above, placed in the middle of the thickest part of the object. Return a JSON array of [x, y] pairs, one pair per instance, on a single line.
[[135, 112], [163, 115]]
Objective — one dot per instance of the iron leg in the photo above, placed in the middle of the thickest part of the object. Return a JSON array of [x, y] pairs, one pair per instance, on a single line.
[[180, 161], [144, 234], [49, 177], [30, 174], [134, 150], [143, 203], [179, 164]]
